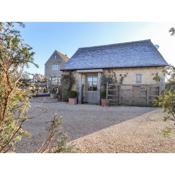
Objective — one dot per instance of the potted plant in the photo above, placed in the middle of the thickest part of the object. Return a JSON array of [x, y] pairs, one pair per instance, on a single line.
[[53, 93], [104, 100], [73, 97]]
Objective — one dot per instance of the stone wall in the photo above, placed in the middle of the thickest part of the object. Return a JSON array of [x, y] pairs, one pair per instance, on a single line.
[[147, 74], [54, 59], [130, 79]]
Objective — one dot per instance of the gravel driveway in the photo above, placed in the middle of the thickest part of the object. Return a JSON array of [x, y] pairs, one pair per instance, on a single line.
[[78, 120]]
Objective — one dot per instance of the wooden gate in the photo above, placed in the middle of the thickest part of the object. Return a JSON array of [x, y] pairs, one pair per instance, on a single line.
[[138, 95]]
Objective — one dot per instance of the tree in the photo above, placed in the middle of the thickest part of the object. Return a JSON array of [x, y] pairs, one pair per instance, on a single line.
[[167, 99], [14, 55], [172, 31], [14, 98]]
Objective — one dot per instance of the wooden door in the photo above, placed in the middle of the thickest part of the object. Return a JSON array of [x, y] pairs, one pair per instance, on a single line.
[[91, 91]]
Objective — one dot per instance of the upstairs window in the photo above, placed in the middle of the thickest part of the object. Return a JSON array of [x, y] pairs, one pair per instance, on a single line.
[[55, 67], [138, 78], [54, 80]]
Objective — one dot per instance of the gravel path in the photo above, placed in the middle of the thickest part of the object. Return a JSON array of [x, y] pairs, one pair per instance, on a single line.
[[78, 120], [143, 134]]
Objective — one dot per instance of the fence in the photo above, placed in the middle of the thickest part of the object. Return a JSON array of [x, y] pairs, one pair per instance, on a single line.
[[138, 95]]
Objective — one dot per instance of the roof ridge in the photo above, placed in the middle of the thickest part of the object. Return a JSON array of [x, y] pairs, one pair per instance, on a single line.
[[115, 44], [61, 54]]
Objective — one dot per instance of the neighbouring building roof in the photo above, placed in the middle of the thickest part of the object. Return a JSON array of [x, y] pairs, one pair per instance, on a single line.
[[60, 55], [130, 54]]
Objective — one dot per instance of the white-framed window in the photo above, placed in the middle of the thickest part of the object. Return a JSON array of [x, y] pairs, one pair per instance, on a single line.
[[138, 78], [92, 82], [55, 67], [59, 80], [54, 80]]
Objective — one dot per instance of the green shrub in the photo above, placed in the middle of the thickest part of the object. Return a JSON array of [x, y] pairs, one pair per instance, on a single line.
[[72, 94], [67, 81], [53, 91], [15, 95], [103, 94], [45, 90]]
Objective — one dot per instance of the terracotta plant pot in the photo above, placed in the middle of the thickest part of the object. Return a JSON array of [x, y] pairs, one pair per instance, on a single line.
[[104, 102], [73, 101]]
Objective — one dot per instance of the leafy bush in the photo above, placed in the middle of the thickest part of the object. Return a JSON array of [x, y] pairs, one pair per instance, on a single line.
[[167, 102], [45, 90], [56, 140], [73, 94], [167, 99], [103, 94], [67, 81], [53, 91], [14, 97]]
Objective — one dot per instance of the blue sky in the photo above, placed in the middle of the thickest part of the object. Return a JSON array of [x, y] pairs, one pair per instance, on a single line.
[[68, 37]]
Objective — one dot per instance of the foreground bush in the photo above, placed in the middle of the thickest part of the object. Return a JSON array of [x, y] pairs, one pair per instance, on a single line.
[[14, 97]]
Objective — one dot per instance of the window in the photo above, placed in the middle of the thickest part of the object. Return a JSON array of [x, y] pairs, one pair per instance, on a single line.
[[138, 78], [59, 80], [54, 80], [92, 82], [55, 67]]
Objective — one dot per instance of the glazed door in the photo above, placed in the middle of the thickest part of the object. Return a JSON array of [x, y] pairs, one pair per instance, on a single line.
[[91, 89]]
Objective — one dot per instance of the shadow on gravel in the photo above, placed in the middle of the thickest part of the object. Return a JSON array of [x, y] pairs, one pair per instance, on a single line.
[[78, 120]]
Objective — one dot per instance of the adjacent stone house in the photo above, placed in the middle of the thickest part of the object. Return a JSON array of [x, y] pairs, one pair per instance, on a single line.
[[140, 60], [53, 66]]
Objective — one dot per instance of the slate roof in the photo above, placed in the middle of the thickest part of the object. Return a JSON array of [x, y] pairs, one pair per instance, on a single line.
[[130, 54]]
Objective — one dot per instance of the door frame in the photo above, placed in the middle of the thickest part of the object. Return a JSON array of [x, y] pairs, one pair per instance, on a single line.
[[82, 74]]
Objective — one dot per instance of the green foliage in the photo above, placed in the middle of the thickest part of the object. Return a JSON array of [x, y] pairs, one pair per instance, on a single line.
[[172, 31], [14, 95], [56, 140], [67, 81], [73, 94], [167, 131], [45, 90], [103, 94], [53, 90], [167, 99], [111, 78], [14, 55], [167, 102], [156, 77]]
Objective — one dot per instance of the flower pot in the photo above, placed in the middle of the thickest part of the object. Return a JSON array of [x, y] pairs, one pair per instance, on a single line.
[[104, 102], [73, 101]]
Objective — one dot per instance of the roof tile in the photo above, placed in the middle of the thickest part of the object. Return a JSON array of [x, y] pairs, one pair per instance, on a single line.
[[130, 54]]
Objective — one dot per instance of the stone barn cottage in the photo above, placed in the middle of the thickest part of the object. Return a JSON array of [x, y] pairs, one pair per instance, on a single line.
[[52, 68], [140, 60]]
